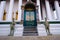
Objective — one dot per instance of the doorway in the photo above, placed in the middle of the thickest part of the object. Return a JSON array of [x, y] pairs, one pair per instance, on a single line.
[[30, 15], [30, 20]]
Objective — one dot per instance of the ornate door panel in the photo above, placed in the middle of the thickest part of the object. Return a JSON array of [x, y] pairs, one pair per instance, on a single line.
[[30, 18]]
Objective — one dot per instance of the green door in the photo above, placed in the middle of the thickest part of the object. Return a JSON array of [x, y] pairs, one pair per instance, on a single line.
[[30, 18]]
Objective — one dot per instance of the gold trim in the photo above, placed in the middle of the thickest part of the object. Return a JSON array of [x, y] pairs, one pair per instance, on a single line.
[[4, 15], [29, 9], [16, 15]]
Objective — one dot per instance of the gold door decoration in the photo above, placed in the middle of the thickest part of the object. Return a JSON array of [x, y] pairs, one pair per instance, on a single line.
[[30, 16], [16, 15], [4, 15], [27, 16], [12, 15], [29, 9]]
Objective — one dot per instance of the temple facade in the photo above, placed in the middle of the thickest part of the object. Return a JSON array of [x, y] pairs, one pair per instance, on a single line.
[[29, 17]]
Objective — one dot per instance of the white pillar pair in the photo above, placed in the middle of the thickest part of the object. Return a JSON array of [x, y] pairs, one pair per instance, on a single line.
[[9, 15], [2, 7], [57, 9]]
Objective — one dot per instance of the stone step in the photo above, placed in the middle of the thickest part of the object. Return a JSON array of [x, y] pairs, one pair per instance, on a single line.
[[4, 29], [18, 30], [30, 32], [55, 29], [30, 29], [4, 25], [41, 30]]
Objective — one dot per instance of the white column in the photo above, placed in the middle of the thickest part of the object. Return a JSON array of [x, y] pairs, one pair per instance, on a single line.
[[43, 11], [2, 7], [27, 0], [39, 9], [0, 3], [57, 9], [49, 15], [53, 14], [19, 10], [14, 15], [9, 14]]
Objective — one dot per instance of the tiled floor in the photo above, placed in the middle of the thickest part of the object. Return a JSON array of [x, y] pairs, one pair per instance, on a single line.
[[31, 38]]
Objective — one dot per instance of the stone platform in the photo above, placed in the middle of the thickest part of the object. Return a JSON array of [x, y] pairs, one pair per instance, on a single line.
[[55, 37]]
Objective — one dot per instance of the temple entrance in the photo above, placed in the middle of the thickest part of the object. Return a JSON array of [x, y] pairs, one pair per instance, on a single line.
[[30, 15], [30, 22]]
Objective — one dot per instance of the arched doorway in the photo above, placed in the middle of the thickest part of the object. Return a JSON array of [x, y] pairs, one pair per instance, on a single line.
[[30, 15]]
